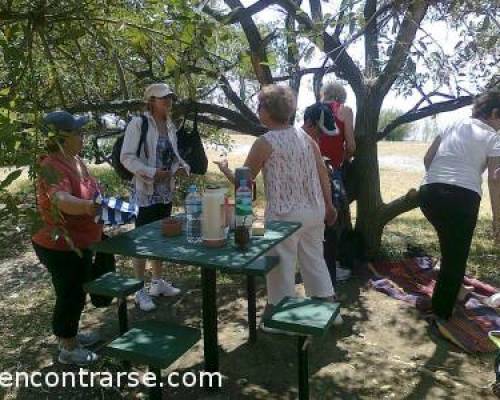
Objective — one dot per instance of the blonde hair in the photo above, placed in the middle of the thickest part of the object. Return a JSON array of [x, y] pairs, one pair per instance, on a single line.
[[280, 102], [334, 91]]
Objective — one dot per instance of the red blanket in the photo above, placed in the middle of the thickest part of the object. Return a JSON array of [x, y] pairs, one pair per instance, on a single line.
[[408, 279]]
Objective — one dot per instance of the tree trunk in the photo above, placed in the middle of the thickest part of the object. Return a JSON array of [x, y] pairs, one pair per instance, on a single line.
[[368, 196]]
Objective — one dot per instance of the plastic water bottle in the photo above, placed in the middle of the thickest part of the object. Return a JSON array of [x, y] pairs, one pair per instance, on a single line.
[[193, 215], [243, 215]]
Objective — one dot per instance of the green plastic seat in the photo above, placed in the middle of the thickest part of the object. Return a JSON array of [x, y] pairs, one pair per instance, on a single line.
[[113, 284], [154, 343], [303, 316]]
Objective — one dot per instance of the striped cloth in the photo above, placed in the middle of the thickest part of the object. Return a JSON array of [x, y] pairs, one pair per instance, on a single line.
[[468, 328], [114, 211]]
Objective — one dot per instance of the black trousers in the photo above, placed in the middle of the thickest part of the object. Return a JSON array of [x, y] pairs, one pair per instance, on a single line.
[[453, 212], [330, 251], [69, 272]]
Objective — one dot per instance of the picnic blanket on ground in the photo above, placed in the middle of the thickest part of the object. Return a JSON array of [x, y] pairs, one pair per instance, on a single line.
[[408, 279]]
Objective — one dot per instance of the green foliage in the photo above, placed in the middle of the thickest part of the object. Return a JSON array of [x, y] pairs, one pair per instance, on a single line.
[[399, 133]]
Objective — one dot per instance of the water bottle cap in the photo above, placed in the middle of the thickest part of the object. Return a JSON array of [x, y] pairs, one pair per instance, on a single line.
[[192, 189], [243, 182]]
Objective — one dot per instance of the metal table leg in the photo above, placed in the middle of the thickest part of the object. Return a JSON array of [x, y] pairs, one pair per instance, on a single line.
[[252, 309], [155, 391], [497, 367], [122, 315], [209, 292], [302, 345]]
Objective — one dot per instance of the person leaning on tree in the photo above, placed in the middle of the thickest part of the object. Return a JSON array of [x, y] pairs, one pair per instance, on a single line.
[[451, 193], [339, 147], [318, 121], [65, 193]]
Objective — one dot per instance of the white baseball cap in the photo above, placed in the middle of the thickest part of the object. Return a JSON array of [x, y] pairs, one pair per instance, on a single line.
[[158, 90]]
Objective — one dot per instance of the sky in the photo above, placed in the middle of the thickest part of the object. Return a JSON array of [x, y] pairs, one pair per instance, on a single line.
[[445, 37]]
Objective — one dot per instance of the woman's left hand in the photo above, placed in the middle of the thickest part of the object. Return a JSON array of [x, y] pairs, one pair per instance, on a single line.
[[330, 215]]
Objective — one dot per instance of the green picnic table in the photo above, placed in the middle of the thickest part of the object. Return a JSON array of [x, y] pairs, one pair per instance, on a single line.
[[148, 242]]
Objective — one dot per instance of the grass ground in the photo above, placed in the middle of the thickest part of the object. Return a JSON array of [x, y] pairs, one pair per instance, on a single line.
[[383, 350]]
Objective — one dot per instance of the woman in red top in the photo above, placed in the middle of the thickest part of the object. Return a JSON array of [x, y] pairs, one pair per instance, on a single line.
[[341, 145], [338, 147], [65, 192]]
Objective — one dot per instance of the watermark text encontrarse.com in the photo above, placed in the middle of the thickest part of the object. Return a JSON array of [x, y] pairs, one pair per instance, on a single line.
[[84, 378]]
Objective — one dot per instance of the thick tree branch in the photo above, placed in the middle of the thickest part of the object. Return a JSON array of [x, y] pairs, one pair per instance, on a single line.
[[121, 75], [293, 57], [343, 64], [53, 67], [433, 109], [231, 119], [228, 91], [371, 39], [235, 99], [237, 13], [404, 40], [397, 207], [258, 52], [316, 11]]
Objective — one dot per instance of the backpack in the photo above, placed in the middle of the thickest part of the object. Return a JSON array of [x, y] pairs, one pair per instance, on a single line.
[[191, 148], [119, 168]]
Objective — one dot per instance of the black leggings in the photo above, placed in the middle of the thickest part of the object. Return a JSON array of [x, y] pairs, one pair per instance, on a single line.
[[69, 272], [452, 211]]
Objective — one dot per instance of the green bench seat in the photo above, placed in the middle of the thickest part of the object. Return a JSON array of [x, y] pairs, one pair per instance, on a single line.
[[304, 317], [156, 344], [113, 284], [116, 285]]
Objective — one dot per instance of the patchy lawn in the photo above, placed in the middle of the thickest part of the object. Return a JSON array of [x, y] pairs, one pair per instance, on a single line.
[[383, 350]]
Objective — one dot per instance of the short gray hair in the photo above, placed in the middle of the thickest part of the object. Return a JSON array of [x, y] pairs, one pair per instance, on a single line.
[[279, 101], [334, 91]]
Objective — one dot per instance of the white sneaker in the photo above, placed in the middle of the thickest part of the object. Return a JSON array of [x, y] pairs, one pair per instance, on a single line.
[[163, 288], [144, 301], [338, 320], [342, 274], [78, 356]]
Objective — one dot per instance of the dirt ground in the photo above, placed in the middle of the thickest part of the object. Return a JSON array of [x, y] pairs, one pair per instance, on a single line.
[[382, 351]]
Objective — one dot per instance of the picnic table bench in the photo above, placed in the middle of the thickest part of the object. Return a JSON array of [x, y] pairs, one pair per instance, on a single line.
[[305, 317], [148, 242]]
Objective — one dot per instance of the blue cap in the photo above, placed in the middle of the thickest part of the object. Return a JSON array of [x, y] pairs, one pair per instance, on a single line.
[[64, 121]]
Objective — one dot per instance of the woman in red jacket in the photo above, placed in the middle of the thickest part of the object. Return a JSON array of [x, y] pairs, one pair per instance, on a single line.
[[65, 193]]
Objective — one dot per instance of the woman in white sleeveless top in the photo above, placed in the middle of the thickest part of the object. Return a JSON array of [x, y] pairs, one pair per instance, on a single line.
[[297, 189]]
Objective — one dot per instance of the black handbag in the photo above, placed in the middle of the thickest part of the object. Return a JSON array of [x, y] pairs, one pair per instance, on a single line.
[[191, 148]]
